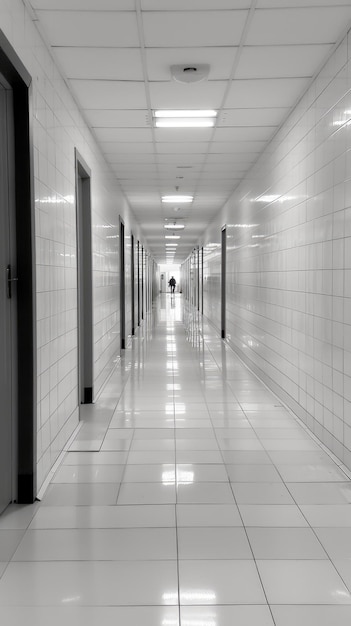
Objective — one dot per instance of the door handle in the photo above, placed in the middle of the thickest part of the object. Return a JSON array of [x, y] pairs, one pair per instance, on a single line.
[[9, 281]]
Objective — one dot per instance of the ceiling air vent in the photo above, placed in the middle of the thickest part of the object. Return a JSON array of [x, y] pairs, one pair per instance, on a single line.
[[189, 73]]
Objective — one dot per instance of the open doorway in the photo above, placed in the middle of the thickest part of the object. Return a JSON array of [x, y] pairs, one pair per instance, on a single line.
[[166, 273]]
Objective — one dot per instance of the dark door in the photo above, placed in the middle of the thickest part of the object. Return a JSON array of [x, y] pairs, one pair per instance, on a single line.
[[223, 282], [8, 293], [85, 282]]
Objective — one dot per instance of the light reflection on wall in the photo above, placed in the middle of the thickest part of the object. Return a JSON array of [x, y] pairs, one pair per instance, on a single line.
[[55, 200], [345, 121], [243, 225], [71, 600], [267, 199]]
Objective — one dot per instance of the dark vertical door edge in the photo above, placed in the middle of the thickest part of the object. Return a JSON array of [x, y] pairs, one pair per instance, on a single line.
[[84, 280], [202, 280], [122, 294], [138, 292], [133, 281], [223, 282], [142, 281], [12, 68]]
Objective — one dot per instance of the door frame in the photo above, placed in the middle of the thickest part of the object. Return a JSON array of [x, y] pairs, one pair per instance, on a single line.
[[84, 280], [132, 282], [13, 70], [202, 279], [122, 284], [142, 281], [198, 277], [138, 280], [223, 280]]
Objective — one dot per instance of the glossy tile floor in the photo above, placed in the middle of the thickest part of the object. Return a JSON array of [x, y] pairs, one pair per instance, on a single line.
[[190, 497]]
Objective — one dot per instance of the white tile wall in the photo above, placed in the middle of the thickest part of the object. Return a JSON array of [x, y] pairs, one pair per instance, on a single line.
[[57, 129], [289, 259]]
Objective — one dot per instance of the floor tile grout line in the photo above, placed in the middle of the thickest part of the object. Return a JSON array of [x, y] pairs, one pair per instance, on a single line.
[[312, 436], [290, 411], [309, 525], [175, 505]]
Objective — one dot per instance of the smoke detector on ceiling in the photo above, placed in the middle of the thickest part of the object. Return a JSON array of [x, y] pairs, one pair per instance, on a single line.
[[190, 73]]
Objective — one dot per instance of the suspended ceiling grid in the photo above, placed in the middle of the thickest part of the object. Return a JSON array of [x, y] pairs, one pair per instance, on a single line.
[[116, 57]]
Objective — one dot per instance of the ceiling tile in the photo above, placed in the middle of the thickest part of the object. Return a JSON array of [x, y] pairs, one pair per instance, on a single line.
[[102, 94], [174, 168], [220, 61], [234, 158], [285, 61], [183, 134], [100, 63], [174, 29], [297, 25], [90, 28], [137, 168], [84, 5], [252, 117], [280, 4], [124, 134], [194, 5], [187, 160], [244, 133], [173, 95], [273, 92], [223, 168], [238, 146], [132, 186], [131, 158], [118, 119], [182, 147], [153, 198], [135, 176], [98, 50], [119, 147], [211, 178]]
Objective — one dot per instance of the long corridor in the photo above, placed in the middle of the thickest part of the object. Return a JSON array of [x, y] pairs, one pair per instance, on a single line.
[[189, 497]]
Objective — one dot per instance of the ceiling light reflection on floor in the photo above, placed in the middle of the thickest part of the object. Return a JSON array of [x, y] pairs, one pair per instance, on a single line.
[[183, 477], [168, 478], [180, 408], [171, 597], [201, 595], [206, 621]]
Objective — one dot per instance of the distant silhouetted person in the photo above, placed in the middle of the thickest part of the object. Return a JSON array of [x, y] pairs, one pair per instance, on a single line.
[[172, 283]]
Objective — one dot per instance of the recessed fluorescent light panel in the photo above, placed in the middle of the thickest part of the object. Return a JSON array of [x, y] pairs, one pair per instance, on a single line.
[[172, 236], [174, 226], [182, 199], [185, 119]]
